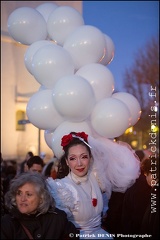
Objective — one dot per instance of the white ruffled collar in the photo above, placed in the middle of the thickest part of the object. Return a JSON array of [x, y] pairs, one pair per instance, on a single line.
[[78, 179]]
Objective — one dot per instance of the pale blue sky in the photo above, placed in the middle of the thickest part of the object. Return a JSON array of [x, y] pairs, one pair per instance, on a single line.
[[130, 24]]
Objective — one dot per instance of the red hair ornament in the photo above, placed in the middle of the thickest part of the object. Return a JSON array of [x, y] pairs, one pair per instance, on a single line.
[[66, 139]]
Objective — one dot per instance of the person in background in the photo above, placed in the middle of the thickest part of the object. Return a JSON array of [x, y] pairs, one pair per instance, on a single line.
[[3, 210], [136, 200], [23, 165], [148, 153], [111, 222], [10, 174], [42, 155], [48, 167], [32, 213], [35, 164], [140, 154], [92, 168], [54, 169], [51, 168]]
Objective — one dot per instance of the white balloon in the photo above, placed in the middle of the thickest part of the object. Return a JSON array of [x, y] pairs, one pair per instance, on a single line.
[[110, 117], [62, 22], [31, 50], [50, 63], [41, 88], [132, 104], [26, 25], [63, 129], [46, 9], [41, 111], [100, 78], [73, 97], [48, 135], [86, 45], [109, 51]]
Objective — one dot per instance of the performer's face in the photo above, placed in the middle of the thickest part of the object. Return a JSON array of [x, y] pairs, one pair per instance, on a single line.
[[78, 160]]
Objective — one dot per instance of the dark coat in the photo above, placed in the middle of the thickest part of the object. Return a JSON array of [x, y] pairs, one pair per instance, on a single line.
[[112, 223], [151, 218], [51, 225], [135, 202]]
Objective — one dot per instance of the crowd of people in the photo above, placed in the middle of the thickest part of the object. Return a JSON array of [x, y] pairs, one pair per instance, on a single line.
[[96, 190]]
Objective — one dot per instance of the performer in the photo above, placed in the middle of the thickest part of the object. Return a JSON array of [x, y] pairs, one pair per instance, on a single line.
[[96, 167]]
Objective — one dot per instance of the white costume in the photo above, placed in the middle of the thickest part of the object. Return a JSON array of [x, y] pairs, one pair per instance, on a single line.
[[114, 168], [74, 195]]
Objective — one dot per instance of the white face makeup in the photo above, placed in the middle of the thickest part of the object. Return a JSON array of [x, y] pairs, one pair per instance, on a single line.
[[78, 160]]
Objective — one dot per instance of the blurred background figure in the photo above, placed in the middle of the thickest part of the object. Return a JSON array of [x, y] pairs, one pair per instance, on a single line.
[[148, 153], [136, 200], [140, 154], [35, 164], [143, 154], [42, 155], [51, 168], [23, 166], [2, 192], [111, 222], [10, 174]]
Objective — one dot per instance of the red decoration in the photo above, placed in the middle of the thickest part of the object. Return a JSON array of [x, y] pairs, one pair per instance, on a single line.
[[66, 139], [82, 135], [94, 202]]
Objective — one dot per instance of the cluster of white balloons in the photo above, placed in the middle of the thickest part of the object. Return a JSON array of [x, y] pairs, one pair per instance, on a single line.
[[69, 59]]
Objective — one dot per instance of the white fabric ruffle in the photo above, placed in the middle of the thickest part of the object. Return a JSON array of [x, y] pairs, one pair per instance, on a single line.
[[65, 198], [115, 165]]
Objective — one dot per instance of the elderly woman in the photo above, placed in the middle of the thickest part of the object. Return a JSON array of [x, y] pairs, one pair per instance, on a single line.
[[32, 212]]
